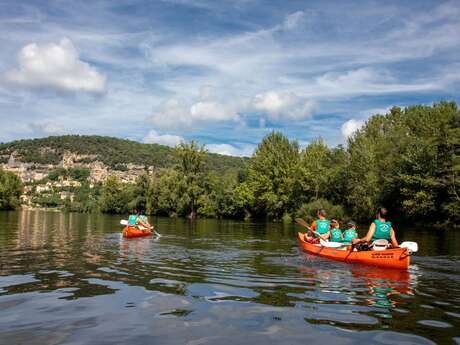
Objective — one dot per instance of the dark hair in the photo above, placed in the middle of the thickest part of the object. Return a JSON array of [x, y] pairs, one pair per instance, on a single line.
[[322, 212], [382, 212]]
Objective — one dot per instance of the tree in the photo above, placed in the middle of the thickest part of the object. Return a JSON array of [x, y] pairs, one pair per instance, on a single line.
[[191, 167], [165, 196], [272, 175], [315, 169], [140, 193], [10, 190], [114, 196]]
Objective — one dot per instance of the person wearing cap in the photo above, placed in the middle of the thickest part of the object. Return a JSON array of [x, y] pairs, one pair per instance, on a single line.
[[350, 233], [336, 233]]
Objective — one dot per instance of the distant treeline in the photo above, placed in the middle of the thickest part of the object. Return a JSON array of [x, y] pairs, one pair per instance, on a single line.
[[407, 160], [114, 152]]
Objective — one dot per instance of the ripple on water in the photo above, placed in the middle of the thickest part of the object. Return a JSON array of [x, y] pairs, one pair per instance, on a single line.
[[434, 323], [17, 280]]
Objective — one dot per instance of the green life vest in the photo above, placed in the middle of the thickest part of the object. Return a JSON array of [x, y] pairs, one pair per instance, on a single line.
[[349, 235], [382, 230], [132, 219], [322, 226], [143, 219], [336, 235]]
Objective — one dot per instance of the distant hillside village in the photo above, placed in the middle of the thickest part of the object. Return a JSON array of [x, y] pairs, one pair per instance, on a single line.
[[41, 180]]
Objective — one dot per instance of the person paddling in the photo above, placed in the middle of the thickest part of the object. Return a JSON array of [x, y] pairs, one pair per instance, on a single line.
[[336, 233], [380, 229], [132, 220], [143, 221], [321, 226], [139, 221]]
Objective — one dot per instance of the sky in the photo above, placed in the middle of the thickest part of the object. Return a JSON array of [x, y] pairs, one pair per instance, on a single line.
[[225, 73]]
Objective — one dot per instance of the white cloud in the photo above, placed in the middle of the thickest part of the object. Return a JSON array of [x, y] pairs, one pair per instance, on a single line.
[[230, 150], [162, 139], [175, 114], [57, 66], [351, 126], [293, 19], [211, 111], [284, 105]]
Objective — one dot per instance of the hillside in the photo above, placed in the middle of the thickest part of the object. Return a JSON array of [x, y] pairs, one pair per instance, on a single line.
[[113, 152]]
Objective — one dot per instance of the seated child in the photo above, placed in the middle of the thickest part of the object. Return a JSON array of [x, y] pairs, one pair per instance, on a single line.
[[350, 233], [336, 233]]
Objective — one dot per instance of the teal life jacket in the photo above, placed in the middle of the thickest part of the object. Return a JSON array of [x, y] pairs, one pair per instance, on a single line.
[[322, 226], [143, 219], [336, 235], [382, 230], [349, 235], [132, 220]]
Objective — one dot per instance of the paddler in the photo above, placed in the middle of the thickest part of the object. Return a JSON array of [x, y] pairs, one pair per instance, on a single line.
[[336, 233], [143, 221], [321, 226], [132, 220], [138, 220], [380, 229]]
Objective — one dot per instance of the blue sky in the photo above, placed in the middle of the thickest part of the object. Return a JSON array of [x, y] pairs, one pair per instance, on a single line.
[[225, 73]]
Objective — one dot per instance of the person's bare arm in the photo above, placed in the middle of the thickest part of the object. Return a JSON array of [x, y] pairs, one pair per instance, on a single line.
[[370, 233], [326, 235], [394, 242]]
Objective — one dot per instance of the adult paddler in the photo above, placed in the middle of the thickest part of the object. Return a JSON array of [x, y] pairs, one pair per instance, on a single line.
[[380, 229], [320, 225], [132, 220]]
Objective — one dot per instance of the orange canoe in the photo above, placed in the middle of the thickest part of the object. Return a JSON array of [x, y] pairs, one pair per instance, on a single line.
[[134, 231], [391, 258]]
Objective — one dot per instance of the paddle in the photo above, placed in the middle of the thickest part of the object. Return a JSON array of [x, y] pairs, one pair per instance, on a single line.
[[324, 243], [125, 222]]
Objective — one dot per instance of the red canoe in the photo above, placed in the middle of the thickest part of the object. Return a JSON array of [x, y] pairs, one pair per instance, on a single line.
[[391, 258], [134, 231]]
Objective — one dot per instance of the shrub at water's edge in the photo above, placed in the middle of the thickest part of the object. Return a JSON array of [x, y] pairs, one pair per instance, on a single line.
[[10, 190]]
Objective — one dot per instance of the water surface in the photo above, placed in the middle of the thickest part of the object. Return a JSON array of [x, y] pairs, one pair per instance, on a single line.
[[72, 279]]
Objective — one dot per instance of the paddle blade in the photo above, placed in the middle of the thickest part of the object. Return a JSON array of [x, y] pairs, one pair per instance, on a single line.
[[123, 222], [412, 246], [302, 222], [330, 244]]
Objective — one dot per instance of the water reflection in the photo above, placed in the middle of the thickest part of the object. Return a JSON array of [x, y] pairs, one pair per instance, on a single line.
[[209, 281]]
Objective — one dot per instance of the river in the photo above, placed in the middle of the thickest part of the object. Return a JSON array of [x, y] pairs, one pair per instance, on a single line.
[[72, 279]]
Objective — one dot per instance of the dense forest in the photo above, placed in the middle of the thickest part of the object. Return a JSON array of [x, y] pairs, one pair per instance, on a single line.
[[407, 160], [114, 152]]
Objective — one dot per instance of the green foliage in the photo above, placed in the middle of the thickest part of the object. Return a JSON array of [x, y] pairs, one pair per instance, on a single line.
[[272, 175], [85, 200], [114, 152], [115, 196], [77, 173], [191, 168], [10, 190], [309, 210], [140, 193], [48, 200], [407, 160], [165, 194]]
